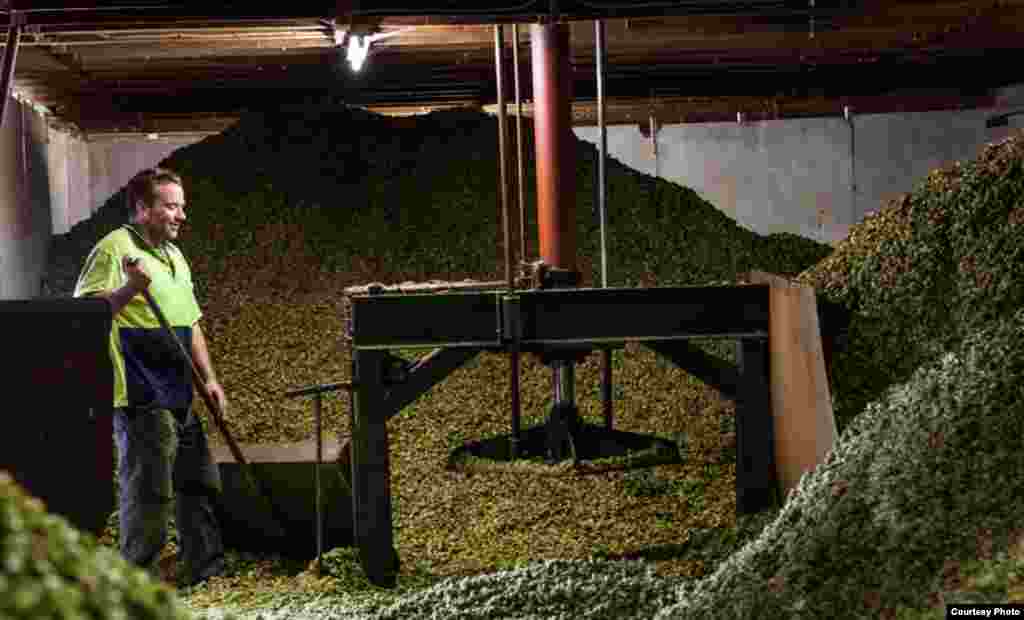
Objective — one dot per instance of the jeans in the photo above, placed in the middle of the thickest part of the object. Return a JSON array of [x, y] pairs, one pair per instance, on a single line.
[[164, 463]]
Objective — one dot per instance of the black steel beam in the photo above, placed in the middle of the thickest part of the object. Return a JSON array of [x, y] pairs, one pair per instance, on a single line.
[[756, 480], [371, 470], [439, 320], [712, 370], [428, 371], [559, 317], [627, 314]]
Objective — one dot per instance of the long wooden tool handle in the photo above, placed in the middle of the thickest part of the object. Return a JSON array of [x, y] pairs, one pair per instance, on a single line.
[[248, 475], [197, 377]]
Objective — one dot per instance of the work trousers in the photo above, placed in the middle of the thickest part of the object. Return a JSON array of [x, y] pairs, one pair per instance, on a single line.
[[165, 464]]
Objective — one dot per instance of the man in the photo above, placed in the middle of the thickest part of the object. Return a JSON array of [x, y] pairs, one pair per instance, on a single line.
[[163, 457]]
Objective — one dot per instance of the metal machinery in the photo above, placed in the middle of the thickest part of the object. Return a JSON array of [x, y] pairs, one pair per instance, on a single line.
[[543, 313]]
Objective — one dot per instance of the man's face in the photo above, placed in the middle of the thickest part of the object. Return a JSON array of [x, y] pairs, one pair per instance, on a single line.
[[163, 219]]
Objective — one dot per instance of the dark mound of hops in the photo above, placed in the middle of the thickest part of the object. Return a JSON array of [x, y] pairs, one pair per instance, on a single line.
[[417, 198]]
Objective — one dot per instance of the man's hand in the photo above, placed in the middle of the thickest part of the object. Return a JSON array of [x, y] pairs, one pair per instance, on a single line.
[[216, 393], [137, 277]]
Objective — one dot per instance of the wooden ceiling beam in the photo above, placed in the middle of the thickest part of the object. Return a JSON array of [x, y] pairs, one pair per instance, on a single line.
[[619, 111], [469, 11], [657, 68], [410, 88]]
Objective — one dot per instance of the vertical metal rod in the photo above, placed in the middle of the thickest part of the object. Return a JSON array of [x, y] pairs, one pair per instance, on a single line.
[[499, 68], [602, 180], [654, 143], [316, 481], [564, 382], [520, 164], [10, 55], [602, 196], [516, 424], [499, 62], [853, 159]]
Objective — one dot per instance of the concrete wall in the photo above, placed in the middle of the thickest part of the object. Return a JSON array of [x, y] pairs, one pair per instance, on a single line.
[[68, 163], [114, 161], [813, 177], [26, 217], [50, 180]]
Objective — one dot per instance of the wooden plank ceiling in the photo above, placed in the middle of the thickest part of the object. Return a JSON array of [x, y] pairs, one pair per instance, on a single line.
[[183, 66]]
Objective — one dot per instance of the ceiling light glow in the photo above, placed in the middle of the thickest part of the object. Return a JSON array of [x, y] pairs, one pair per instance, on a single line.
[[358, 48]]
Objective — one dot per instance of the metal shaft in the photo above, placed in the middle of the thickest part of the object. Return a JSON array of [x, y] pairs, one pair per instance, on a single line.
[[10, 55], [602, 181], [316, 482], [514, 355], [499, 68], [520, 163], [602, 198], [563, 378]]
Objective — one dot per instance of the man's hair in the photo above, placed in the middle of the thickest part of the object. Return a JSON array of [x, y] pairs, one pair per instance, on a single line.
[[143, 186]]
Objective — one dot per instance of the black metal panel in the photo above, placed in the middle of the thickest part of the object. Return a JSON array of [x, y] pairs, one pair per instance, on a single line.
[[430, 370], [711, 369], [371, 471], [756, 481], [394, 321], [617, 314], [58, 386]]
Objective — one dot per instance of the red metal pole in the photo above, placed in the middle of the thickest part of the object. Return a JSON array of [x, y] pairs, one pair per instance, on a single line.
[[556, 199], [555, 144]]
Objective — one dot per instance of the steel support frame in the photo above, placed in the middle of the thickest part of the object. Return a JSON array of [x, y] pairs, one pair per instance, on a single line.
[[554, 323], [375, 399], [558, 316]]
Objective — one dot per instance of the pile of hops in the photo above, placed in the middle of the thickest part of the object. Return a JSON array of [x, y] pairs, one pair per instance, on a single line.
[[926, 271], [557, 589], [51, 570], [928, 473]]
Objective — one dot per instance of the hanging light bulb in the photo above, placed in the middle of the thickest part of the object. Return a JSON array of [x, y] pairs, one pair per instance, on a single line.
[[358, 48]]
